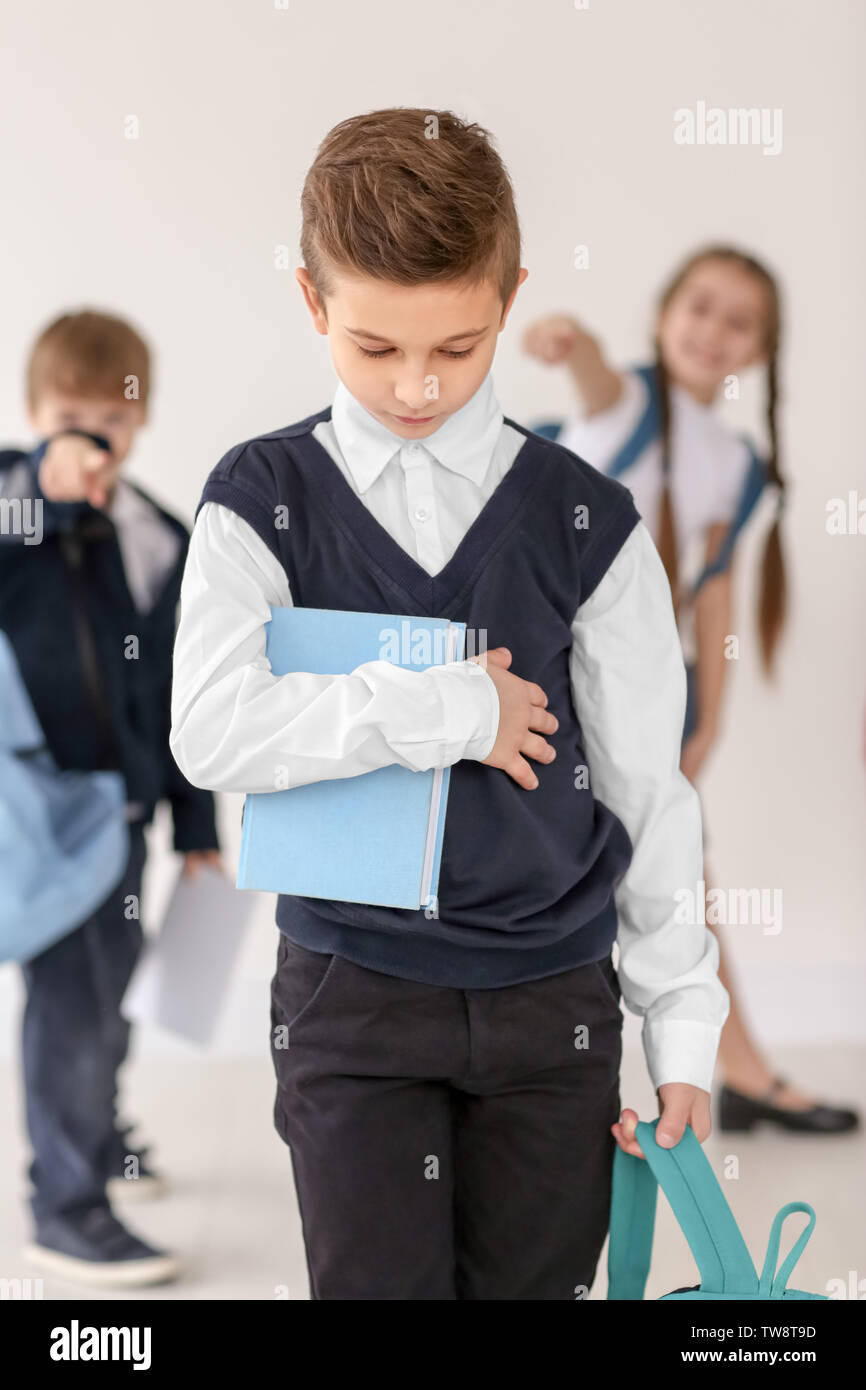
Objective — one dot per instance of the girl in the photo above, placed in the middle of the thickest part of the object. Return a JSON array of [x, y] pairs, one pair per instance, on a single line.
[[695, 484]]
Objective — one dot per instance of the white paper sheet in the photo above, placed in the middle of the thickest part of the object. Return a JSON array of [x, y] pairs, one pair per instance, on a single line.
[[185, 971]]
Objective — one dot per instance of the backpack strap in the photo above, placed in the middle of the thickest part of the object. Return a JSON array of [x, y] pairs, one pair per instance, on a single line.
[[548, 429], [632, 1224], [645, 431], [753, 486], [699, 1205]]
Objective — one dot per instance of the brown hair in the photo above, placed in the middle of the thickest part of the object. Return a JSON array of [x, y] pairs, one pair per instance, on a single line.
[[89, 354], [772, 602], [413, 197]]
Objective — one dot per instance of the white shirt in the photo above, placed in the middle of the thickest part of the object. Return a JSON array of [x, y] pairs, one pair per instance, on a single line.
[[149, 548], [233, 720], [708, 470]]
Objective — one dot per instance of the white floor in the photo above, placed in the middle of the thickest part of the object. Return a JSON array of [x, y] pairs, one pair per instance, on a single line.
[[231, 1212]]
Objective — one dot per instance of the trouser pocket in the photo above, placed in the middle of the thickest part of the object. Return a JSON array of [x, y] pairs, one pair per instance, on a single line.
[[297, 989]]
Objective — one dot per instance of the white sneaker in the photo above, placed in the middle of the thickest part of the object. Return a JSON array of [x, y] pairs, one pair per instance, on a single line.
[[95, 1248], [141, 1189]]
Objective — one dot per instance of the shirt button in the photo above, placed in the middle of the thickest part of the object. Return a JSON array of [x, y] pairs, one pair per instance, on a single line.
[[421, 513]]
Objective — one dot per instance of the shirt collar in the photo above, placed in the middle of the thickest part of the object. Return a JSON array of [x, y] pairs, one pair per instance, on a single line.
[[464, 444]]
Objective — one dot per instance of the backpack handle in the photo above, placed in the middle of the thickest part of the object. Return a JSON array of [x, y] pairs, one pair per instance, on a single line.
[[707, 1222], [773, 1285]]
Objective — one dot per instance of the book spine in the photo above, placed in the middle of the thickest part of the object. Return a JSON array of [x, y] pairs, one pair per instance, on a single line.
[[246, 827], [436, 795]]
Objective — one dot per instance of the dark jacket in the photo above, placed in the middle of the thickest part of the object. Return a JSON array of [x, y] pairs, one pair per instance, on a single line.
[[97, 670]]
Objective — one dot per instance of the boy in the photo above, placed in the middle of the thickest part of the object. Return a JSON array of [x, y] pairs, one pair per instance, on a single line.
[[93, 642], [450, 1088]]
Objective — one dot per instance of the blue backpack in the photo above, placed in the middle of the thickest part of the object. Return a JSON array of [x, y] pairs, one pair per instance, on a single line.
[[706, 1220], [647, 429]]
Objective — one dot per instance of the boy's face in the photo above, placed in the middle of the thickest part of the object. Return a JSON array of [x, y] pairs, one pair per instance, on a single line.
[[117, 421], [410, 354]]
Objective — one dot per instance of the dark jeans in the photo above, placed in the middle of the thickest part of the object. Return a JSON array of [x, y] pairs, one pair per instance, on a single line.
[[73, 1042], [447, 1143]]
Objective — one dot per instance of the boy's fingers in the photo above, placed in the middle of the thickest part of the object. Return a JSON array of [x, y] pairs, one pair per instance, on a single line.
[[673, 1121], [534, 746], [522, 773], [496, 656], [500, 656], [630, 1146], [543, 721], [628, 1120], [52, 485], [625, 1133], [536, 694]]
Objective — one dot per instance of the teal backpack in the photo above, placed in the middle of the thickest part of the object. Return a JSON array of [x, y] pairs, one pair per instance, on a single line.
[[706, 1220]]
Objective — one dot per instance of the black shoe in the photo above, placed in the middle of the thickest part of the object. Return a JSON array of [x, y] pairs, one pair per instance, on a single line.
[[738, 1113], [92, 1247]]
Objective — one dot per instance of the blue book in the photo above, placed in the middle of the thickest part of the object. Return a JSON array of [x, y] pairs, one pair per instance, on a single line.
[[375, 838]]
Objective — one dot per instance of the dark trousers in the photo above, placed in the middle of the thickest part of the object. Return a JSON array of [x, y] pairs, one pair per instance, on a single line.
[[74, 1039], [447, 1143]]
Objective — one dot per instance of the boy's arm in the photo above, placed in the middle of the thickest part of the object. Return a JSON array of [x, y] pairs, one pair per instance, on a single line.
[[238, 727], [629, 688], [193, 815]]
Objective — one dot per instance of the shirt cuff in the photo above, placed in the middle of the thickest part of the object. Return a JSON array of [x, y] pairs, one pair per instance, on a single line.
[[471, 710], [681, 1049]]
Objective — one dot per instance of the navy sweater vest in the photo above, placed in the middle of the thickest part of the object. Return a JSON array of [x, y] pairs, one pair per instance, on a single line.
[[527, 877]]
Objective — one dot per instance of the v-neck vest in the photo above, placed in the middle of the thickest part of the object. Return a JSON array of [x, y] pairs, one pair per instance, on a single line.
[[527, 877]]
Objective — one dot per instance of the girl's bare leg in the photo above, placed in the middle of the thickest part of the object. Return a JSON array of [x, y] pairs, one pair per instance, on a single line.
[[741, 1064]]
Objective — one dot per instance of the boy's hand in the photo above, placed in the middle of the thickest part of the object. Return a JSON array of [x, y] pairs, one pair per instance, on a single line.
[[679, 1105], [551, 339], [523, 718], [201, 858], [74, 469]]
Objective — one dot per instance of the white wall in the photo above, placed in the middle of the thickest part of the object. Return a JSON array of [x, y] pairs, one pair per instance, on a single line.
[[177, 229]]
